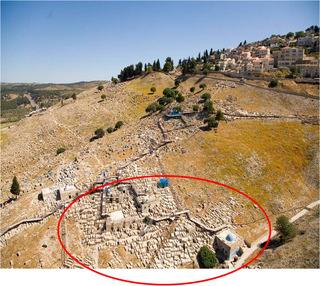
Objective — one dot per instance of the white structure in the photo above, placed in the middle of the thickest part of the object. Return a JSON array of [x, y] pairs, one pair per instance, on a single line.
[[67, 193], [229, 243], [46, 193]]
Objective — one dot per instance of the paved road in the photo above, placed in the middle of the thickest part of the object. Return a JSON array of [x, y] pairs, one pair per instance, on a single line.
[[32, 102], [255, 245]]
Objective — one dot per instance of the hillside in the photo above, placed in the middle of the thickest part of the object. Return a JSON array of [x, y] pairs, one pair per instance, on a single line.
[[267, 147]]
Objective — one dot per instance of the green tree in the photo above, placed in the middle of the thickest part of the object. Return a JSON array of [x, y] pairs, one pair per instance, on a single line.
[[299, 34], [294, 70], [203, 86], [217, 68], [103, 97], [74, 97], [146, 219], [205, 71], [192, 89], [15, 187], [118, 124], [219, 115], [100, 87], [167, 67], [150, 70], [178, 108], [161, 107], [153, 89], [195, 108], [206, 258], [177, 82], [151, 108], [211, 121], [60, 150], [99, 132], [289, 35], [208, 107], [114, 80], [273, 83], [110, 130], [285, 228], [206, 96], [180, 98]]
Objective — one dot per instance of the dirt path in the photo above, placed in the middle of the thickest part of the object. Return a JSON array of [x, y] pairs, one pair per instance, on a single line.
[[32, 102], [255, 245]]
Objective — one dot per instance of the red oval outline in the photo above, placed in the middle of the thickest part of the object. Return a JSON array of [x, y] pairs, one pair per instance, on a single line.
[[167, 284]]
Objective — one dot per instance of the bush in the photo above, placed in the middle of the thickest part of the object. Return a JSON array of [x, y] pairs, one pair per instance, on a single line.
[[216, 68], [103, 97], [146, 219], [151, 108], [178, 108], [177, 82], [285, 228], [168, 92], [118, 124], [99, 133], [161, 107], [153, 89], [195, 108], [273, 83], [206, 96], [211, 121], [60, 150], [205, 71], [192, 89], [100, 87], [74, 97], [15, 187], [180, 98], [219, 115], [110, 130], [203, 86], [165, 100], [114, 80], [206, 258], [208, 107]]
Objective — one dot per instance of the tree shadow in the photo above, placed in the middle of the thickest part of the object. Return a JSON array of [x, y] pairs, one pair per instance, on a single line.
[[200, 79], [205, 128], [273, 244], [93, 138]]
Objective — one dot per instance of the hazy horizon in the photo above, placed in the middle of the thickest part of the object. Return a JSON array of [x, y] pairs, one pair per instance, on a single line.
[[67, 42]]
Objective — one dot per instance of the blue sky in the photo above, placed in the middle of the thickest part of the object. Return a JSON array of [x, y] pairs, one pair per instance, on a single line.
[[63, 42]]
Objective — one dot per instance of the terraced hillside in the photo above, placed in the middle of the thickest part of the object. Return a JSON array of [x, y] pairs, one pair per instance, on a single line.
[[267, 147]]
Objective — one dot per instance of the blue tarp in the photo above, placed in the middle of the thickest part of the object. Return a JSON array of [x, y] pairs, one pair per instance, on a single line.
[[164, 181]]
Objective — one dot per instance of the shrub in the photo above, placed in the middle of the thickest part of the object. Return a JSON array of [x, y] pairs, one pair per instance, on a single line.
[[118, 124], [151, 108], [74, 97], [114, 80], [206, 258], [195, 108], [192, 89], [100, 87], [177, 82], [161, 107], [211, 121], [206, 96], [103, 97], [285, 228], [146, 219], [168, 92], [203, 86], [15, 187], [219, 115], [99, 133], [216, 68], [153, 89], [205, 71], [273, 83], [178, 108], [60, 150], [208, 107], [110, 130], [180, 98]]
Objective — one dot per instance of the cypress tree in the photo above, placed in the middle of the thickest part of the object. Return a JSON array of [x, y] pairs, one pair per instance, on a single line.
[[15, 188], [158, 65]]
